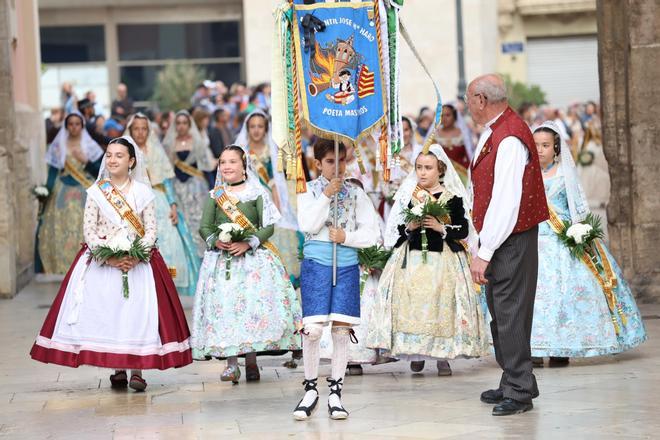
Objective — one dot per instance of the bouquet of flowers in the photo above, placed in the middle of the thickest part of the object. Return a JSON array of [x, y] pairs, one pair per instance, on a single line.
[[232, 233], [372, 259], [428, 207], [580, 236], [121, 246], [41, 193]]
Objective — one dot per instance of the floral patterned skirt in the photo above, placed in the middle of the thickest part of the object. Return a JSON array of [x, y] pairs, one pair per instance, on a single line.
[[429, 310], [255, 310], [191, 196], [571, 316], [61, 230]]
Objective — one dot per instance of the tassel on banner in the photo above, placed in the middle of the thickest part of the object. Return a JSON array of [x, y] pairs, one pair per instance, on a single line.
[[301, 183], [382, 142], [280, 161], [291, 167], [360, 161]]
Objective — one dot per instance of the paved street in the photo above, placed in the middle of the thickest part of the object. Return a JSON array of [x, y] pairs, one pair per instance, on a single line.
[[604, 398]]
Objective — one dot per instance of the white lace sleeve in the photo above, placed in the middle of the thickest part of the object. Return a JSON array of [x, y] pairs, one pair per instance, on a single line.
[[90, 224]]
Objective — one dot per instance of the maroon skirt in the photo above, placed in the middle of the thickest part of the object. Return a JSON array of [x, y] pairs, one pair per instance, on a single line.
[[172, 327]]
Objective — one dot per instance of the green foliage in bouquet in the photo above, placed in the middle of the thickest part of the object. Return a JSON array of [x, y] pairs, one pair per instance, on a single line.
[[434, 209], [373, 258], [578, 237], [137, 250]]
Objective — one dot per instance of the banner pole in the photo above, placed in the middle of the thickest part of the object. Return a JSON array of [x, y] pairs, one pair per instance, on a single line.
[[335, 216]]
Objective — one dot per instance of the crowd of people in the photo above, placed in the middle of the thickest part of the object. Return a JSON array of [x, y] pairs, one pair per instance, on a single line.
[[275, 272]]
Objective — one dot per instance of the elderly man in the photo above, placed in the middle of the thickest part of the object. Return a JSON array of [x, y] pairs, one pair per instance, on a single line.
[[509, 203]]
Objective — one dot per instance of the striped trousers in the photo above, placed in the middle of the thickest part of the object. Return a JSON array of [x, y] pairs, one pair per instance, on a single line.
[[510, 293]]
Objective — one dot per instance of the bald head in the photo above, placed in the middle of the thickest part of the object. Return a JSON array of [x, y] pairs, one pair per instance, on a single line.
[[486, 97]]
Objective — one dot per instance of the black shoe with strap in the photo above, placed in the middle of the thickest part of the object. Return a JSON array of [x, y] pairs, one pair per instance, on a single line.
[[510, 406], [336, 412], [492, 396], [305, 412]]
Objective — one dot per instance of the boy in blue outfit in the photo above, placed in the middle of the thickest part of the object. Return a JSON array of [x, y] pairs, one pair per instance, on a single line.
[[323, 303]]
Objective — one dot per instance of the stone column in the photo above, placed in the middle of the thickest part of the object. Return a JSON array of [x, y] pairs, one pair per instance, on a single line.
[[629, 60], [8, 236]]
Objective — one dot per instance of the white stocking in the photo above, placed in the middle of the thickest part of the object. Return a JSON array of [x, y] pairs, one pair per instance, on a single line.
[[340, 341], [311, 356]]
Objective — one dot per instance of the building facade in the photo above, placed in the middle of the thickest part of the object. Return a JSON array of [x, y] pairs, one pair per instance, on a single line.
[[96, 45], [550, 43]]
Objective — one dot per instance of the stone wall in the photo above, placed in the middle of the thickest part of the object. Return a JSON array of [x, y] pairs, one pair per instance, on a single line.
[[21, 142], [8, 239], [629, 67]]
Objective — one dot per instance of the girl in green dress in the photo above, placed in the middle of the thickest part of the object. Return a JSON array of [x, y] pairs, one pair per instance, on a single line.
[[245, 303]]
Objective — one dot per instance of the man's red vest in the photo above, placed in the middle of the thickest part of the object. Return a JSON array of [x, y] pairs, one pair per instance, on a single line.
[[533, 205]]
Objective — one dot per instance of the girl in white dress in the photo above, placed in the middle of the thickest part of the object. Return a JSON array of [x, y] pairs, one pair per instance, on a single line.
[[91, 322]]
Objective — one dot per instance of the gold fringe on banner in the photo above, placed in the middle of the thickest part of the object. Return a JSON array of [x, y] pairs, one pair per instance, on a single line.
[[297, 170]]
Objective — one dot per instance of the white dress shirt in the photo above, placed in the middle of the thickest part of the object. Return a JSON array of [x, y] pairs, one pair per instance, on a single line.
[[357, 216], [502, 213]]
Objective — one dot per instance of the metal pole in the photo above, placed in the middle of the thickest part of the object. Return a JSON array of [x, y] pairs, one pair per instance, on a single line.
[[335, 220], [459, 48]]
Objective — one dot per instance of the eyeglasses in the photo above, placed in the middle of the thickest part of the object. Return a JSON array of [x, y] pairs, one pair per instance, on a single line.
[[465, 97]]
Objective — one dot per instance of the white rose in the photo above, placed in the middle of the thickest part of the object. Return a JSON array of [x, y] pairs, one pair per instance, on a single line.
[[120, 242], [41, 191], [418, 210], [578, 232], [224, 237]]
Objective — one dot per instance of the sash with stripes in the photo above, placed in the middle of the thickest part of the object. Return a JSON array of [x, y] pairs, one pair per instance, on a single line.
[[78, 175], [607, 278], [117, 200], [229, 207], [189, 169]]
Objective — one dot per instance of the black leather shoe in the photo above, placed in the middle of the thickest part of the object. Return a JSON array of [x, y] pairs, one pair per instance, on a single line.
[[492, 396], [509, 407]]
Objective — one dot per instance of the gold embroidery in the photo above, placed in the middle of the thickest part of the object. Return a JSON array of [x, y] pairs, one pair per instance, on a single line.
[[189, 169], [228, 206], [116, 199], [78, 175]]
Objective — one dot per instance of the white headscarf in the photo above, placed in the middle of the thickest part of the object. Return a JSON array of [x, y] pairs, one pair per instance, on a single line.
[[452, 183], [197, 155], [57, 150], [158, 166], [253, 189], [141, 192], [288, 220], [577, 202], [416, 146]]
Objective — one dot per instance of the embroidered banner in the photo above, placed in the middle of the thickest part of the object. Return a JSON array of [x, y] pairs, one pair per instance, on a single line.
[[339, 68]]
